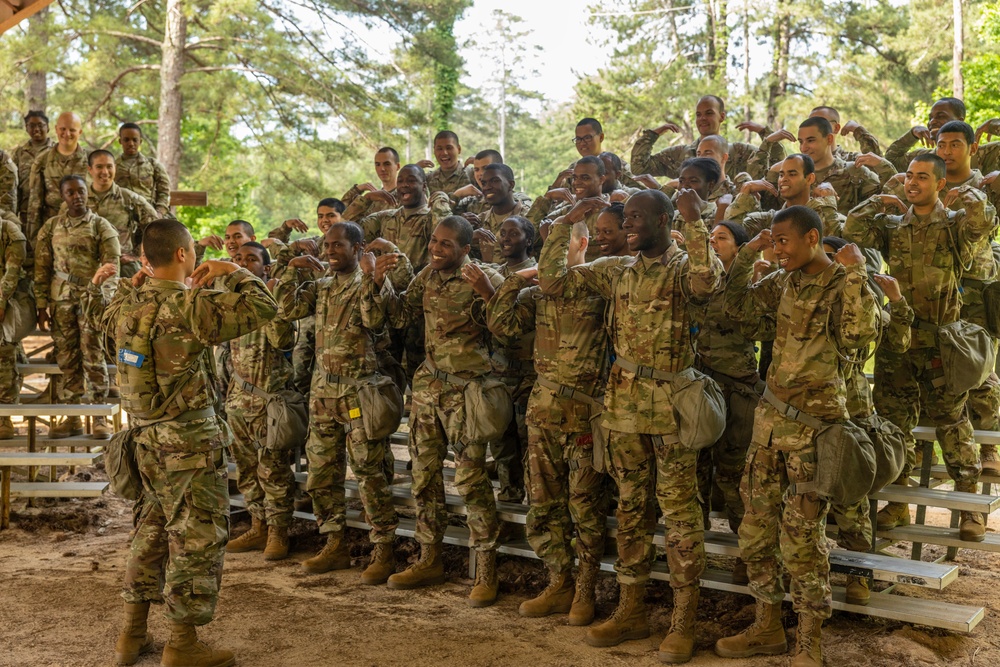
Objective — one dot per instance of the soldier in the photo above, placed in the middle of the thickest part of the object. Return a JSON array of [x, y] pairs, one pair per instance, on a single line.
[[868, 142], [502, 204], [615, 170], [179, 541], [650, 295], [128, 212], [329, 211], [69, 247], [266, 480], [36, 124], [714, 147], [13, 251], [364, 199], [346, 357], [237, 233], [470, 197], [588, 137], [710, 113], [450, 174], [8, 182], [66, 158], [926, 248], [699, 176], [455, 321], [609, 237], [143, 175], [943, 111], [587, 194], [824, 310]]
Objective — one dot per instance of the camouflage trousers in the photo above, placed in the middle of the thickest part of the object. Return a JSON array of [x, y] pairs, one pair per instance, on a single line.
[[304, 354], [10, 378], [905, 386], [854, 525], [79, 354], [781, 526], [511, 450], [984, 405], [331, 444], [436, 422], [266, 479], [647, 470], [179, 541]]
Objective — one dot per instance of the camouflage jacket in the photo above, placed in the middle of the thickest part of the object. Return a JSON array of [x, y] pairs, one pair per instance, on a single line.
[[438, 181], [24, 156], [189, 322], [48, 169], [259, 358], [408, 229], [358, 205], [553, 211], [13, 249], [896, 321], [68, 251], [668, 162], [477, 204], [726, 187], [745, 210], [851, 183], [868, 144], [512, 355], [128, 212], [146, 177], [725, 346], [819, 318], [650, 309], [9, 183]]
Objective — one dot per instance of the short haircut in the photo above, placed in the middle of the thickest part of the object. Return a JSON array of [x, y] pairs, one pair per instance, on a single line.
[[592, 122], [822, 124], [247, 227], [332, 202], [580, 229], [830, 110], [494, 156], [36, 114], [391, 151], [959, 127], [504, 170], [719, 102], [661, 202], [527, 228], [808, 166], [802, 218], [263, 251], [616, 162], [161, 239], [130, 126], [98, 153], [352, 231], [447, 134], [70, 177], [616, 209], [461, 227], [834, 242], [738, 231], [717, 138], [418, 169], [709, 168], [940, 169], [957, 106], [596, 161]]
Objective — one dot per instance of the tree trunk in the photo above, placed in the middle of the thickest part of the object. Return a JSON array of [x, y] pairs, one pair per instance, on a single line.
[[958, 54], [781, 34], [171, 103], [35, 92], [747, 109]]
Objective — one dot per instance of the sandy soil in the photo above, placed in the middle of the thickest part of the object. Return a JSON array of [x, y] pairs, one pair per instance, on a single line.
[[61, 566]]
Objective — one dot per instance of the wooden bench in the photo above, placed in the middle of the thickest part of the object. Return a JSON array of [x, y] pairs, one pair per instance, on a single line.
[[31, 489], [45, 368]]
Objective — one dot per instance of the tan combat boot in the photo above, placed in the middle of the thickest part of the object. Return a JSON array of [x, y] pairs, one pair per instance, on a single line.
[[381, 566], [484, 592], [428, 571], [892, 516], [765, 636], [184, 650], [971, 527], [678, 646], [808, 651], [6, 428], [133, 640], [582, 611], [990, 459], [100, 429], [277, 543], [858, 591], [333, 556], [627, 622], [68, 427], [557, 598], [254, 539]]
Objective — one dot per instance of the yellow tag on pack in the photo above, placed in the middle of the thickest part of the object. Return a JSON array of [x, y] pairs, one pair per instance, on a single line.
[[354, 413]]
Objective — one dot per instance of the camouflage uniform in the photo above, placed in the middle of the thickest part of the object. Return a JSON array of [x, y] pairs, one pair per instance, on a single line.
[[9, 183], [868, 144], [146, 177], [68, 251], [45, 200], [129, 213], [649, 303], [746, 210], [924, 255], [477, 204], [24, 156], [360, 206], [455, 321], [438, 181], [13, 250], [819, 317], [265, 475], [668, 162], [565, 489], [345, 353], [182, 529], [545, 210], [852, 184], [493, 221], [726, 187]]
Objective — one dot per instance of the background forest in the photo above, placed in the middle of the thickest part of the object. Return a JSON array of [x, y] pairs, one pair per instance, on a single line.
[[270, 106]]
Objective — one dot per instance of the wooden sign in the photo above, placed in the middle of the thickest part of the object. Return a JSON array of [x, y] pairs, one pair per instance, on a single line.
[[188, 198]]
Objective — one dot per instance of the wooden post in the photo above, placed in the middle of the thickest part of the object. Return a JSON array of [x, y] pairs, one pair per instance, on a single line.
[[5, 498]]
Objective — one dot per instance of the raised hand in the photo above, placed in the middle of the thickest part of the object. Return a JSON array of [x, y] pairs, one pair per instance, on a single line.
[[667, 127], [295, 225], [210, 270]]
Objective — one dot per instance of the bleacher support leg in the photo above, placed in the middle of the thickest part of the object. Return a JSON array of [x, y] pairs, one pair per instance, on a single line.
[[925, 482]]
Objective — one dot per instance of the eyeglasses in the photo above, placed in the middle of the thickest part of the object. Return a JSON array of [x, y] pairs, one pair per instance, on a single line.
[[584, 139]]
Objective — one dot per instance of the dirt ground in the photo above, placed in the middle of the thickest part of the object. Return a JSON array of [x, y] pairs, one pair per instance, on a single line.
[[61, 566]]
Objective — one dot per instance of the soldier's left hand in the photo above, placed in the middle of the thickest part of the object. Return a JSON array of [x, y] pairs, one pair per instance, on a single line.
[[989, 128], [721, 206], [531, 275], [425, 164], [560, 194], [781, 135], [618, 195], [648, 181], [367, 263], [824, 190], [295, 225], [893, 200], [469, 190], [950, 197], [677, 236], [849, 128], [889, 285], [476, 277], [868, 160], [382, 196], [103, 273], [211, 269], [380, 245], [758, 186], [139, 277], [751, 127], [472, 218], [305, 247], [469, 160], [989, 178], [689, 204], [923, 135], [850, 255], [383, 265]]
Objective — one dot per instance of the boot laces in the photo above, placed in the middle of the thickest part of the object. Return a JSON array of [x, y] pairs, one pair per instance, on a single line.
[[484, 568], [678, 623], [624, 608], [806, 634], [585, 583]]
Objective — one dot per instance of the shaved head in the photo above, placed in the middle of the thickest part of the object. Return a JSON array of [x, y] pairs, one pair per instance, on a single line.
[[68, 119], [68, 131]]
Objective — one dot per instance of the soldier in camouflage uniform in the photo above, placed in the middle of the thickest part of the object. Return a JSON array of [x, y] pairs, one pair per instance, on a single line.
[[867, 141], [450, 174], [609, 237], [69, 248], [346, 331], [143, 175], [943, 111], [66, 158], [716, 148], [454, 314], [497, 181], [36, 124], [128, 212], [470, 200], [361, 200], [699, 176], [824, 310], [651, 332], [925, 249], [8, 182], [178, 545], [266, 480], [709, 116], [587, 193], [13, 250]]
